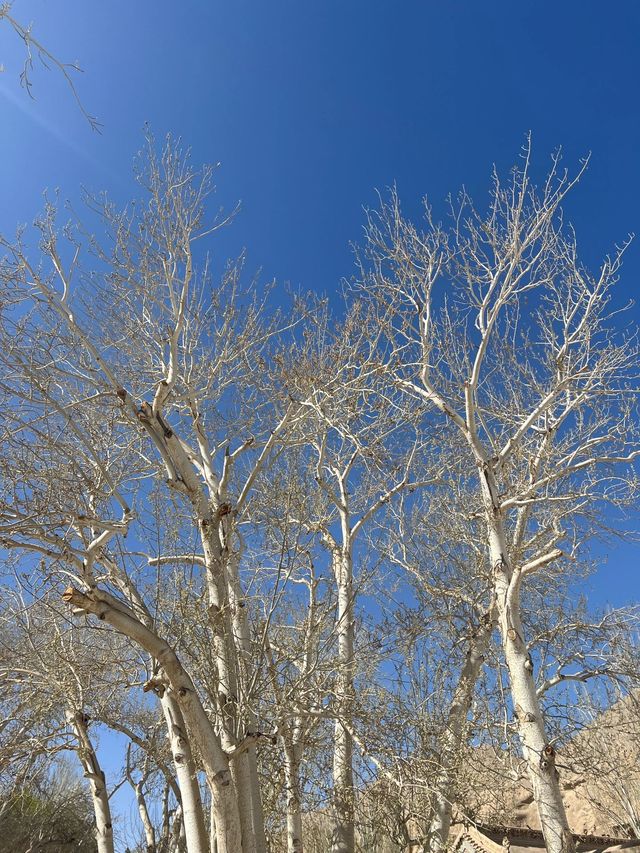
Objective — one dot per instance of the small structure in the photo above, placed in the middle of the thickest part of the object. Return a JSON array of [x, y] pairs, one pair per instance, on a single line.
[[493, 839]]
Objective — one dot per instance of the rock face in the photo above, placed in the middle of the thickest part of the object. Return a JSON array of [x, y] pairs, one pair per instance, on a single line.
[[600, 778]]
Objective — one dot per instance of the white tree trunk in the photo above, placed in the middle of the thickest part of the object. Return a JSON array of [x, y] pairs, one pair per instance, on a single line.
[[143, 811], [93, 772], [214, 758], [252, 808], [256, 802], [228, 630], [294, 805], [539, 755], [178, 841], [343, 837], [192, 811], [453, 738], [242, 780]]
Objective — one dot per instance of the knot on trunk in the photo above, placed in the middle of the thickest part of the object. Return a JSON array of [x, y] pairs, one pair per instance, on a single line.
[[145, 412], [513, 635], [524, 716], [222, 510], [82, 719], [154, 685], [167, 431], [547, 757], [499, 566], [223, 778], [216, 617]]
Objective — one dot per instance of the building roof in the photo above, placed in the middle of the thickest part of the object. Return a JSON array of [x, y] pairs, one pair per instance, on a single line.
[[492, 839]]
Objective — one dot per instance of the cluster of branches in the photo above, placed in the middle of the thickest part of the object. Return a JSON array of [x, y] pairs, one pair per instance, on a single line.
[[36, 50], [314, 572]]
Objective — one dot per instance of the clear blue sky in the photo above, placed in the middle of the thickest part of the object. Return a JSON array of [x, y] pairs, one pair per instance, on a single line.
[[310, 106]]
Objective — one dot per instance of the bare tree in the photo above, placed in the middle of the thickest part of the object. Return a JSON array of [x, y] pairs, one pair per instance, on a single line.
[[189, 346], [215, 487], [362, 456], [55, 670], [522, 355]]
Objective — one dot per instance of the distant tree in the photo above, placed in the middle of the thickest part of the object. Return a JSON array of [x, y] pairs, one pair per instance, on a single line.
[[51, 814]]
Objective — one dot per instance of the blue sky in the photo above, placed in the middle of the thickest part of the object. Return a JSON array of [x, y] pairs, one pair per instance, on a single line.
[[310, 106]]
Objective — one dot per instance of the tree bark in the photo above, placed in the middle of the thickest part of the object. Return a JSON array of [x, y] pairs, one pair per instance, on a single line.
[[294, 809], [190, 797], [93, 772], [249, 761], [256, 801], [343, 837], [539, 755], [149, 831], [232, 642]]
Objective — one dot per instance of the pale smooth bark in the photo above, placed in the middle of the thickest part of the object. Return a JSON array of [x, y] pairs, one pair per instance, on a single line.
[[251, 802], [190, 797], [242, 780], [292, 757], [256, 801], [215, 760], [143, 811], [538, 753], [95, 775], [343, 837]]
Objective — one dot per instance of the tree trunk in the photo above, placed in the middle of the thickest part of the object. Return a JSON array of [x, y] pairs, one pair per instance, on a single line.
[[539, 755], [294, 810], [247, 721], [149, 831], [452, 740], [256, 801], [231, 634], [192, 812], [242, 780], [93, 772], [178, 842], [343, 837], [200, 728]]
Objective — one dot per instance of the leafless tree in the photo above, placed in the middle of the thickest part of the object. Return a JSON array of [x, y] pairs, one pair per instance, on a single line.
[[362, 457], [215, 487], [520, 352], [187, 347]]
